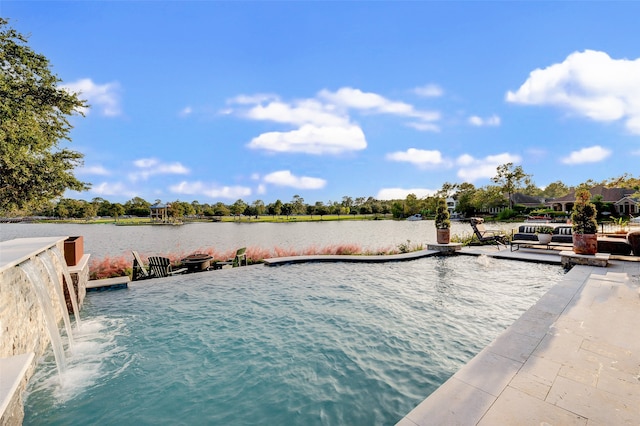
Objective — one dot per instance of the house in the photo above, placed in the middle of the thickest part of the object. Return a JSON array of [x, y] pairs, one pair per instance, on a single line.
[[622, 199], [528, 201]]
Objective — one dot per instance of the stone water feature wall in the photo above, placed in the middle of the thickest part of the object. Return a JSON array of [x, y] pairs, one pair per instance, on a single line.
[[23, 329]]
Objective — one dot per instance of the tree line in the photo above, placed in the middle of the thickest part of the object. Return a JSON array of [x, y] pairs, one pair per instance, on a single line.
[[470, 201]]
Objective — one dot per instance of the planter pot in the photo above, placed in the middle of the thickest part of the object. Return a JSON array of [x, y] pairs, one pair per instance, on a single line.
[[633, 238], [544, 238], [443, 236], [73, 250], [585, 243]]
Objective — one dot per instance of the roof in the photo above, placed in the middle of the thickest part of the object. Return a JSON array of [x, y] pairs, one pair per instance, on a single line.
[[519, 198], [609, 195]]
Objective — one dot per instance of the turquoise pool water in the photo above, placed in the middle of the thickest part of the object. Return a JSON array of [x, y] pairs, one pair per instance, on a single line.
[[305, 344]]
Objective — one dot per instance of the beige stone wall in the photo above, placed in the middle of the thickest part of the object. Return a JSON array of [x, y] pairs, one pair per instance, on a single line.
[[22, 323]]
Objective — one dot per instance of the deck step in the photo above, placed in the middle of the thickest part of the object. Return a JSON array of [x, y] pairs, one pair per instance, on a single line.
[[108, 284]]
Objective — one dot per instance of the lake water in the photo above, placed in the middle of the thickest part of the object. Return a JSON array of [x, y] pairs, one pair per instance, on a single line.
[[110, 240], [303, 344]]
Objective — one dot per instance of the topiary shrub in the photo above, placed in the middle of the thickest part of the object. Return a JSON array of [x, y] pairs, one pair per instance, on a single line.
[[442, 215], [584, 214]]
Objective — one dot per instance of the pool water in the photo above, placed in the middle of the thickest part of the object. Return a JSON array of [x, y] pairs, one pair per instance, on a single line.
[[303, 344]]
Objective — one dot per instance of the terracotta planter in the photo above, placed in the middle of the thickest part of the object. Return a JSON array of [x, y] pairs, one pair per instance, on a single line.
[[443, 236], [585, 243], [633, 238], [73, 250]]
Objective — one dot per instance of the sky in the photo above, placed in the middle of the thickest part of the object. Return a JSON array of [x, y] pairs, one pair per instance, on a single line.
[[225, 100]]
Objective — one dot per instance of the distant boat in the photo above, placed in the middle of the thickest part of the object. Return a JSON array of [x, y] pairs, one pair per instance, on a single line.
[[416, 216]]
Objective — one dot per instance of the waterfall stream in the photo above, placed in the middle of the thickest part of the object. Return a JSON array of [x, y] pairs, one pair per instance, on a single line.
[[40, 288], [48, 263], [67, 278]]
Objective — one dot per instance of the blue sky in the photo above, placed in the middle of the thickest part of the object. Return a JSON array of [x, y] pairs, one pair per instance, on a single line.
[[219, 101]]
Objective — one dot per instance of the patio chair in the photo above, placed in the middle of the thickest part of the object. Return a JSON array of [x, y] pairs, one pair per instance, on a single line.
[[236, 261], [487, 236], [139, 270], [161, 267]]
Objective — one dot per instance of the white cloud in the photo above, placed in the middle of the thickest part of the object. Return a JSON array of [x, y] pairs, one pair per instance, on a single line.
[[286, 178], [186, 111], [253, 99], [106, 97], [418, 157], [401, 193], [112, 189], [424, 127], [637, 152], [493, 121], [350, 98], [322, 125], [472, 169], [152, 166], [429, 91], [590, 84], [302, 112], [592, 154], [210, 190], [312, 139], [93, 170]]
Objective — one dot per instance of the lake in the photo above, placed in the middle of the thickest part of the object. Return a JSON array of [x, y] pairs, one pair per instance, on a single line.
[[101, 240]]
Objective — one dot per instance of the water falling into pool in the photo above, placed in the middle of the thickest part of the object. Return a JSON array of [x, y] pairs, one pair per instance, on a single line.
[[46, 304], [53, 274], [67, 278], [306, 344]]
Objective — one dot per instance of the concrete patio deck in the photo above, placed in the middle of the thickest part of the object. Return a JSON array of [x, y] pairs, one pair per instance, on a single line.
[[572, 358]]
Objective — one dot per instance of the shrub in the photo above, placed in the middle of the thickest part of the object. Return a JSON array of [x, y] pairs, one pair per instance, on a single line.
[[442, 215], [584, 213]]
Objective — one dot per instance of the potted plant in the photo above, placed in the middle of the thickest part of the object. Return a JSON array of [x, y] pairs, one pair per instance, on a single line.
[[544, 234], [443, 224], [585, 227]]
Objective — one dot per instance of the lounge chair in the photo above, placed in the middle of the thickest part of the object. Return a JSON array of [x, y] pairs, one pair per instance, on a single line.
[[236, 261], [487, 236], [161, 267], [139, 270]]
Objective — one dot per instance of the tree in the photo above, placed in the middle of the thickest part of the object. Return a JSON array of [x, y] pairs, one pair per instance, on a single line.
[[298, 205], [259, 207], [116, 210], [238, 207], [555, 189], [509, 179], [33, 120], [412, 205], [464, 198], [137, 207]]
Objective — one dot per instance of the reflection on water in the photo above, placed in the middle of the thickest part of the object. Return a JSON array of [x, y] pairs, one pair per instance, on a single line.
[[110, 240]]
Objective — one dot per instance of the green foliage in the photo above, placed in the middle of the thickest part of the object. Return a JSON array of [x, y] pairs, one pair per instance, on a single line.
[[584, 213], [544, 230], [507, 214], [442, 215], [509, 179], [408, 248], [33, 121]]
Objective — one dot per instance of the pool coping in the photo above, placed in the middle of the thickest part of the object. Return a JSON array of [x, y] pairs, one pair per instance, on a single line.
[[562, 362]]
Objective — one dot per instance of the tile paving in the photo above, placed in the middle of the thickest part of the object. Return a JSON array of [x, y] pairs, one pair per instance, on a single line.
[[572, 359]]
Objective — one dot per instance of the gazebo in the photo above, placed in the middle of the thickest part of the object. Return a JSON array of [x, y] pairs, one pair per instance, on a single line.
[[159, 212]]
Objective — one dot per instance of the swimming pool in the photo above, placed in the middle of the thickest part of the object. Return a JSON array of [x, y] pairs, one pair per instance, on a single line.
[[300, 344]]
